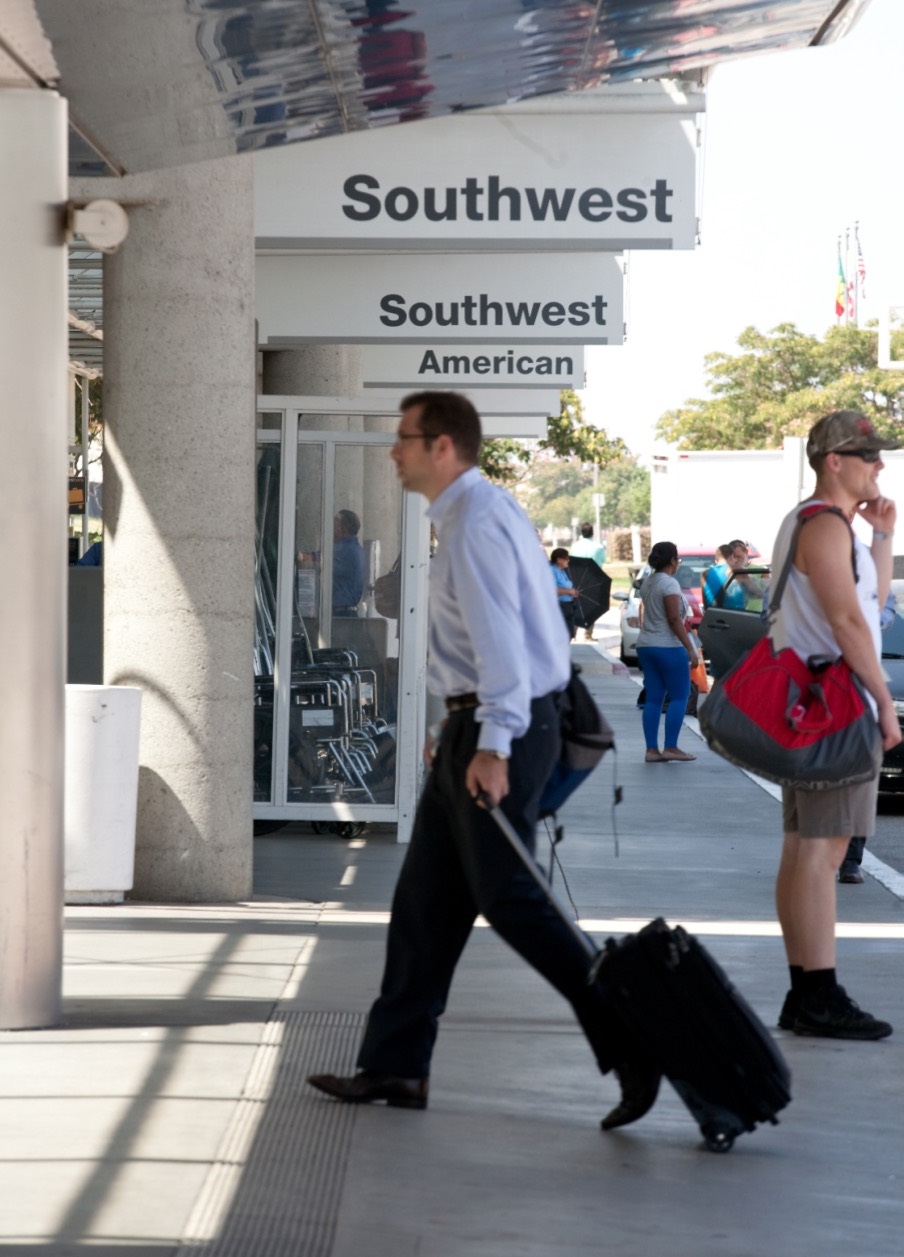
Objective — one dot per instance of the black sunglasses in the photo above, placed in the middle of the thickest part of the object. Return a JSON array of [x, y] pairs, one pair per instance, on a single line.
[[867, 456]]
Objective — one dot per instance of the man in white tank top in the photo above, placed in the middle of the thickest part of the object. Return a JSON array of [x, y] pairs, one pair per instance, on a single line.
[[826, 610]]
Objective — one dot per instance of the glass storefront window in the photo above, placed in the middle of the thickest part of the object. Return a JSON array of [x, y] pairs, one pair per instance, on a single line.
[[326, 647], [344, 694], [266, 562]]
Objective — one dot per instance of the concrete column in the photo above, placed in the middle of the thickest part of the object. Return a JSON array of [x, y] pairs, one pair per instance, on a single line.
[[33, 354], [179, 378], [313, 371]]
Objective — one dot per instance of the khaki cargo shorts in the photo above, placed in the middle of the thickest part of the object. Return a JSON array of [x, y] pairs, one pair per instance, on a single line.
[[848, 812]]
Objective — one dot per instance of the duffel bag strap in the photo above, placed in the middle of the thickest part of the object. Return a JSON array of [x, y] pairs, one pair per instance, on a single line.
[[807, 513]]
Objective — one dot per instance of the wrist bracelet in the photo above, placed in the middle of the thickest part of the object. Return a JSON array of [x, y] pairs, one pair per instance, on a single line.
[[495, 754], [881, 536]]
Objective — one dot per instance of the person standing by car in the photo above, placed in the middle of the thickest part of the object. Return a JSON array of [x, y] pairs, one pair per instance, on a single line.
[[746, 590], [831, 608], [715, 577], [565, 591], [751, 588], [664, 650]]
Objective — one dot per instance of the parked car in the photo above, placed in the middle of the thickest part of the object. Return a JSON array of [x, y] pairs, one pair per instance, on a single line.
[[727, 635], [891, 774], [629, 625], [692, 566]]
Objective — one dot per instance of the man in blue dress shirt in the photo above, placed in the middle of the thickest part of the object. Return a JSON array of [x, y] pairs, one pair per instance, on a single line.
[[348, 564], [499, 653]]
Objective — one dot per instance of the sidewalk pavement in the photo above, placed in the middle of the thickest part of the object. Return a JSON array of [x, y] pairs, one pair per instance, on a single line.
[[169, 1113]]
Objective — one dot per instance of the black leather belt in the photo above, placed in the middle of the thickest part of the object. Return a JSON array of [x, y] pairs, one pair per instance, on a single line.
[[462, 702]]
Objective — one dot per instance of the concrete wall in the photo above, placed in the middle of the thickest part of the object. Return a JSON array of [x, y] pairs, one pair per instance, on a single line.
[[179, 517]]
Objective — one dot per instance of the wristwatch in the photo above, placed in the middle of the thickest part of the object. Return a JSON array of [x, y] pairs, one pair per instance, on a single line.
[[495, 754]]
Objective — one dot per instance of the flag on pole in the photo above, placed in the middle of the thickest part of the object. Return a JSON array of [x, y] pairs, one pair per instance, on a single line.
[[840, 287], [851, 306], [861, 265]]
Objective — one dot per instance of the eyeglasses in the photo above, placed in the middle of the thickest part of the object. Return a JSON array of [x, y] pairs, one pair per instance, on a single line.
[[412, 436], [867, 456]]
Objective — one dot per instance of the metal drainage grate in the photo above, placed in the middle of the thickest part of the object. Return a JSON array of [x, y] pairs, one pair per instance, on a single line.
[[277, 1182]]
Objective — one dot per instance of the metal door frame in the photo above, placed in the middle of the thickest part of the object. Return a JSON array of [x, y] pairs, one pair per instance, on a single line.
[[410, 728]]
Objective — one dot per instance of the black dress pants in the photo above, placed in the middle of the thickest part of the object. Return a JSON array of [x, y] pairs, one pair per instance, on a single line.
[[460, 865]]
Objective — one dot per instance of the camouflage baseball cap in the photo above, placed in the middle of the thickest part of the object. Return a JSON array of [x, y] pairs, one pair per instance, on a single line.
[[846, 430]]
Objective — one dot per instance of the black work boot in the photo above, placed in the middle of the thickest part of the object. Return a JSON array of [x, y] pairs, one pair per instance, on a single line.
[[850, 866]]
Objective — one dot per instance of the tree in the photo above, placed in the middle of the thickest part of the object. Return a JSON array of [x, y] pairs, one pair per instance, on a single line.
[[626, 486], [555, 490], [503, 460], [95, 419], [568, 435], [556, 476], [782, 383]]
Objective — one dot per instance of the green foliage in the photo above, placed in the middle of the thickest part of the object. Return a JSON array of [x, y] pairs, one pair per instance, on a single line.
[[782, 383], [556, 476], [556, 491], [627, 489], [502, 460], [568, 435]]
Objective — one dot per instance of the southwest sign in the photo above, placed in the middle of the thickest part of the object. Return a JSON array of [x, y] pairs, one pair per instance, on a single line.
[[607, 170], [453, 298], [484, 366]]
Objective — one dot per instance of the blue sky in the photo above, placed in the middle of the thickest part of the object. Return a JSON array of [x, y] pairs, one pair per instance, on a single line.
[[799, 146]]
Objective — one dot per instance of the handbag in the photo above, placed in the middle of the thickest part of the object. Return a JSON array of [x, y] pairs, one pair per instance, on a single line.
[[804, 724], [699, 677], [387, 591], [586, 736]]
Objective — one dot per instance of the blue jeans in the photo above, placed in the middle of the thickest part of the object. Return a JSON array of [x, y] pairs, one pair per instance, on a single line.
[[666, 670]]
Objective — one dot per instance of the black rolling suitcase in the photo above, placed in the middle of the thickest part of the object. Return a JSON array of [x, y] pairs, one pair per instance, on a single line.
[[702, 1033], [678, 1003]]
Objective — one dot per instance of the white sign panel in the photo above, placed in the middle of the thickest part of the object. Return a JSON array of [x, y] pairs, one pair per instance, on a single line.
[[615, 172], [459, 366], [497, 401], [527, 427], [453, 298]]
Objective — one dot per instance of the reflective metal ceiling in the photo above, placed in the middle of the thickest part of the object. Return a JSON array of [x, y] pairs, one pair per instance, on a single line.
[[86, 306], [155, 83]]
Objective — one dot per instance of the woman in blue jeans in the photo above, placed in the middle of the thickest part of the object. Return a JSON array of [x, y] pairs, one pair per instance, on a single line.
[[666, 654]]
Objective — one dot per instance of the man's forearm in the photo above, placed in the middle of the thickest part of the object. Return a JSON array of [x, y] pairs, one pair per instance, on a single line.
[[882, 552]]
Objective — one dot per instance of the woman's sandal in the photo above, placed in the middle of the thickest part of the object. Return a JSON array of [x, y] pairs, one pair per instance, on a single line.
[[654, 757], [680, 757]]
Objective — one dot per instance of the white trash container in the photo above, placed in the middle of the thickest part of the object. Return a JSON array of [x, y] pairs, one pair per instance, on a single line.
[[103, 724]]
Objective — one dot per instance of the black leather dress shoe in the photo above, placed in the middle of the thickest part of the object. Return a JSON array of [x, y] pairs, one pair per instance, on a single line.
[[640, 1087], [366, 1087]]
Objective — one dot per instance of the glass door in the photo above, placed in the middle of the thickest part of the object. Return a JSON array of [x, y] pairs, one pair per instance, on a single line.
[[330, 720]]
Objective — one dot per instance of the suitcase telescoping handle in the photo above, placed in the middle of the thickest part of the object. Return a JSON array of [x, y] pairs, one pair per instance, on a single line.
[[532, 867]]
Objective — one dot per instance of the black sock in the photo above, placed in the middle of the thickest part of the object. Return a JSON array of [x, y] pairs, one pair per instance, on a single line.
[[817, 981], [797, 973]]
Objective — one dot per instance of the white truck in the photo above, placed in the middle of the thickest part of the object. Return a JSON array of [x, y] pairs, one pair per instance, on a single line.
[[706, 497]]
